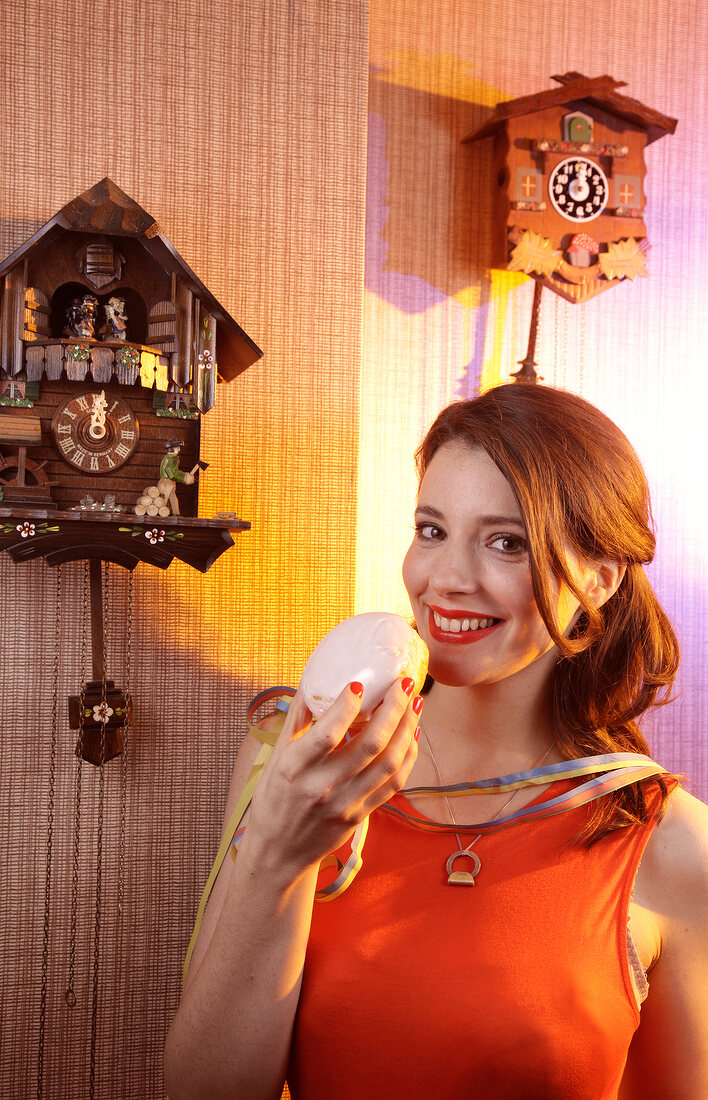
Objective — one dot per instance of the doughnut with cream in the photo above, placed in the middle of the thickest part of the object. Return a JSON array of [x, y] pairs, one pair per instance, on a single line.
[[375, 648]]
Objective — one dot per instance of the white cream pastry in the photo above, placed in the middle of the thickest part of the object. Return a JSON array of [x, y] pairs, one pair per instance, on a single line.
[[375, 648]]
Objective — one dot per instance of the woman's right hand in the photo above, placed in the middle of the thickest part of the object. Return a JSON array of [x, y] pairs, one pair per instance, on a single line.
[[318, 787], [232, 1033]]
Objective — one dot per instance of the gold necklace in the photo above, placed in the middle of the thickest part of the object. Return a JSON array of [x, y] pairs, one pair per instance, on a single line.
[[466, 878]]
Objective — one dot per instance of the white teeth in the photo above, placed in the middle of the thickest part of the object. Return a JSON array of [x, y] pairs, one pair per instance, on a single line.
[[458, 626]]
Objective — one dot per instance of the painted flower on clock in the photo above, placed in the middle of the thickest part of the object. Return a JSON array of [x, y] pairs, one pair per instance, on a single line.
[[78, 352], [26, 529], [154, 536], [128, 357], [102, 712]]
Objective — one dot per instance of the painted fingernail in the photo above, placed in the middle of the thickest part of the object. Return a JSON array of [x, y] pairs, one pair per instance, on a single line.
[[407, 685], [356, 688], [417, 704], [416, 735]]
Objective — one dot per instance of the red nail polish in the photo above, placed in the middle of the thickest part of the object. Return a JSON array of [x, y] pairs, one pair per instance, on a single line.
[[407, 685], [416, 735], [356, 688], [417, 704]]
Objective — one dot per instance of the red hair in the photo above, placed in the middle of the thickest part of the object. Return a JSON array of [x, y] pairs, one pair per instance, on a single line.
[[580, 488]]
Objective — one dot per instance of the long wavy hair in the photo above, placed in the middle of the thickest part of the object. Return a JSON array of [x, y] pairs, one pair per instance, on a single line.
[[581, 488]]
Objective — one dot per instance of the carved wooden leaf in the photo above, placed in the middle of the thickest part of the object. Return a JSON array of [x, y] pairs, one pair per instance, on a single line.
[[623, 260], [534, 253]]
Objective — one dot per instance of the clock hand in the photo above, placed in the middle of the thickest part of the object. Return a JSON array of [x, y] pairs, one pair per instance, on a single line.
[[97, 427], [579, 188]]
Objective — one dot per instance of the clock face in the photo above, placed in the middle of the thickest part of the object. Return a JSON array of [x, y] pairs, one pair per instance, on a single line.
[[578, 189], [95, 432]]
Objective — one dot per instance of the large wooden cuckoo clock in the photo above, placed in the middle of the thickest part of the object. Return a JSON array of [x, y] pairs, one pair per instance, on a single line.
[[570, 184], [110, 350]]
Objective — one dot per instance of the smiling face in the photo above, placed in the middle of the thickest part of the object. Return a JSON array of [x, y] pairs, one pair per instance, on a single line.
[[468, 575]]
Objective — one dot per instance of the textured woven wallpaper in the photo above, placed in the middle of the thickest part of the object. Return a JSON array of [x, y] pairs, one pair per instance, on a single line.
[[356, 251], [241, 128]]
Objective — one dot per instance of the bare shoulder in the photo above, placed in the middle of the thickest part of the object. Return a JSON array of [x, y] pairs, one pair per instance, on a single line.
[[668, 1058], [674, 870]]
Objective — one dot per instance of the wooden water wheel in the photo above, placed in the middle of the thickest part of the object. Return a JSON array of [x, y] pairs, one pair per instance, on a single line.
[[22, 480]]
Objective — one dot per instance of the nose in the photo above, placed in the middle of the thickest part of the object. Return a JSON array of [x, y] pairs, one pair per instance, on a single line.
[[455, 570]]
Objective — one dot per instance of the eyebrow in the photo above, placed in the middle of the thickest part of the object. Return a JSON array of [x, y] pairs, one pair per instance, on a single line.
[[486, 521]]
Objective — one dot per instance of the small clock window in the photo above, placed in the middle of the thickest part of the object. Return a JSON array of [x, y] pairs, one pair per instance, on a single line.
[[529, 185], [627, 192], [578, 127]]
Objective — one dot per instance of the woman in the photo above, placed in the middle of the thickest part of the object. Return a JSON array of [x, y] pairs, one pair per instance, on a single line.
[[526, 579]]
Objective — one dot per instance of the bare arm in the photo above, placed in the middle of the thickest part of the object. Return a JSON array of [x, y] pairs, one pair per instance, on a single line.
[[232, 1032], [668, 1058]]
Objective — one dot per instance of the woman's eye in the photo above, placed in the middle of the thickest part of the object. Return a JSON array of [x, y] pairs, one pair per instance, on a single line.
[[428, 532], [513, 545]]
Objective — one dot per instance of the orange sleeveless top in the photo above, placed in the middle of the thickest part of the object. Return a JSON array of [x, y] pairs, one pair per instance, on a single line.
[[517, 988]]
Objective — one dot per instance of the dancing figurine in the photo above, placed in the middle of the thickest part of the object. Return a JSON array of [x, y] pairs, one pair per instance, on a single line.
[[116, 323], [81, 317]]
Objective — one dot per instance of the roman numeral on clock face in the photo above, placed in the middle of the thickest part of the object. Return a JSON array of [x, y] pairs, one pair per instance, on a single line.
[[82, 446]]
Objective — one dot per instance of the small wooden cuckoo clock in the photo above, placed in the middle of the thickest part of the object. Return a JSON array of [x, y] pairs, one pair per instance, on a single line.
[[110, 349], [570, 196]]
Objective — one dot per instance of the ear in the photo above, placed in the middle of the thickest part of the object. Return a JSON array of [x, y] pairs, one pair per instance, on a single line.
[[603, 580]]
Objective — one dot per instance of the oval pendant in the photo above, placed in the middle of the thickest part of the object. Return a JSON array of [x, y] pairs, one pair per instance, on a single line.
[[462, 878]]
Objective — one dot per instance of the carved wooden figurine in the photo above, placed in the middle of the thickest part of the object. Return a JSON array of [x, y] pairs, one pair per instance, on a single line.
[[116, 323]]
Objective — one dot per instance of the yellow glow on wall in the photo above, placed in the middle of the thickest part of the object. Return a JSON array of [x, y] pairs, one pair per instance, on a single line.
[[497, 362], [441, 74], [286, 578]]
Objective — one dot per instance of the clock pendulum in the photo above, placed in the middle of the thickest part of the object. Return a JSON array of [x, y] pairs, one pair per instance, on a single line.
[[103, 708], [578, 191], [92, 704], [528, 363]]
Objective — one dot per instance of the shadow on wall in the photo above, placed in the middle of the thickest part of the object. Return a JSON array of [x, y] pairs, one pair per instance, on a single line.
[[429, 197]]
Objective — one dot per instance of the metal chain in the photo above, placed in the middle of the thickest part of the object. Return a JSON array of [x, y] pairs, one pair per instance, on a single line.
[[99, 846], [70, 995], [124, 762], [50, 837]]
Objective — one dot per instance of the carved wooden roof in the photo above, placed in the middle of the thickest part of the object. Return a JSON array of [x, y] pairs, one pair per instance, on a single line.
[[600, 91], [107, 210]]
